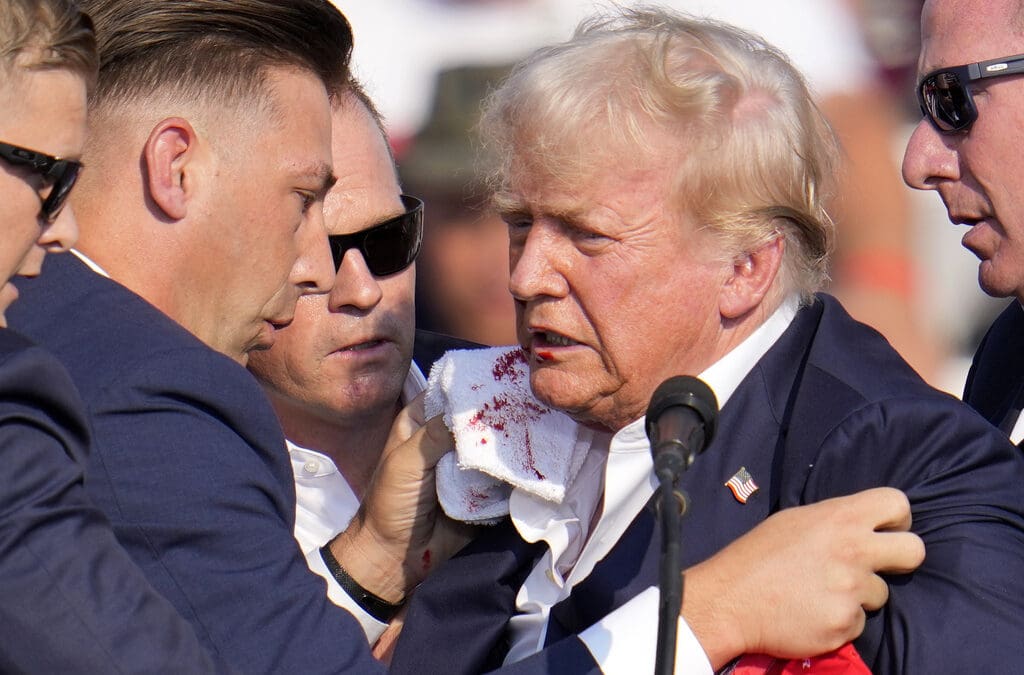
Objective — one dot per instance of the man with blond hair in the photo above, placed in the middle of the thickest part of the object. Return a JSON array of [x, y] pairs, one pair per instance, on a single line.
[[662, 184]]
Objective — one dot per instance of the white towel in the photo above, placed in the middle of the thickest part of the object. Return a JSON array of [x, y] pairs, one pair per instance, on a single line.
[[504, 437]]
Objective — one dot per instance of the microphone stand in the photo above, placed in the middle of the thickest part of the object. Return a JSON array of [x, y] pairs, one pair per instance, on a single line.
[[681, 421], [671, 506]]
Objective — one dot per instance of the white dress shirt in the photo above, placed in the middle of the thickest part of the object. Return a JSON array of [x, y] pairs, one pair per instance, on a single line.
[[324, 505], [622, 463]]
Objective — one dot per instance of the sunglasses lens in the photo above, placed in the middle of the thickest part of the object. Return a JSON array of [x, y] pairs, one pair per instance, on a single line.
[[64, 174], [389, 247], [393, 246], [947, 102]]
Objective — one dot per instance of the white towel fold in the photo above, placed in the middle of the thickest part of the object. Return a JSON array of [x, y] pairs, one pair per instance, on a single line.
[[504, 437]]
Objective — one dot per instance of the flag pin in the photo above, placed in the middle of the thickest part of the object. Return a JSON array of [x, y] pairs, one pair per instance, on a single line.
[[742, 485]]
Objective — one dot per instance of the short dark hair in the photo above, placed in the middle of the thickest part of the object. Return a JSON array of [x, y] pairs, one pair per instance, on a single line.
[[214, 49], [46, 35]]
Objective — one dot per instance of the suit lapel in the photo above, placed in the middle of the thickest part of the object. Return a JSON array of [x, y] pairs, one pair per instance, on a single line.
[[997, 374]]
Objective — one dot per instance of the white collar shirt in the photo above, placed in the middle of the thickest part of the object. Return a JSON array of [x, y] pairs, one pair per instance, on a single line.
[[324, 505], [324, 501]]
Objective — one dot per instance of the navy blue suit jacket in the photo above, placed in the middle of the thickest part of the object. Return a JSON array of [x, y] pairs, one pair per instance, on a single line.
[[995, 383], [71, 600], [829, 410], [189, 464]]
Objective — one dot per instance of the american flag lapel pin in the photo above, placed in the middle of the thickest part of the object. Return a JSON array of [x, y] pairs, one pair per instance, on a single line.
[[742, 485]]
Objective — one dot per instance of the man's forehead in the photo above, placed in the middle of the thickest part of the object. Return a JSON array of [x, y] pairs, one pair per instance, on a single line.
[[957, 32]]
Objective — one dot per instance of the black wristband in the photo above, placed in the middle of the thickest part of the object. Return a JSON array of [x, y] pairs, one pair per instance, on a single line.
[[377, 607]]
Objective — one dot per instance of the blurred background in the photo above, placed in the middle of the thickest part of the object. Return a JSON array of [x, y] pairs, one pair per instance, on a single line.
[[899, 265]]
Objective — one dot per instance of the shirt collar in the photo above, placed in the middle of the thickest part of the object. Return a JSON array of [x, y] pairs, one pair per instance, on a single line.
[[90, 263], [725, 375]]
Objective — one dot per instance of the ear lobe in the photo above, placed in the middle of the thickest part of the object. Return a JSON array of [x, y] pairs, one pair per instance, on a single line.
[[752, 279], [169, 149]]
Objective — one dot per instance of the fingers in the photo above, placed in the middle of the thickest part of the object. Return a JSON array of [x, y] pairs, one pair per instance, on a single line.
[[895, 552], [437, 441], [415, 409], [876, 593], [407, 422], [893, 509], [879, 522], [881, 509]]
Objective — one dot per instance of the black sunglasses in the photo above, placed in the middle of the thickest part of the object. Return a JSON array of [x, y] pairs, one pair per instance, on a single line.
[[945, 97], [387, 247], [56, 172]]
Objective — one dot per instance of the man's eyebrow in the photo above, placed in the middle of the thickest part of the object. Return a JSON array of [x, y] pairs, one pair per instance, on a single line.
[[512, 205], [321, 172]]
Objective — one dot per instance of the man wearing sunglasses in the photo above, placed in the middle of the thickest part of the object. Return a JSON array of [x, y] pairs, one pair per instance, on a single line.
[[679, 227], [202, 224], [338, 375], [967, 147]]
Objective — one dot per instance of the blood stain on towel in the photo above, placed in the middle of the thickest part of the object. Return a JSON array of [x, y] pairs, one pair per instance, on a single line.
[[502, 415], [505, 366]]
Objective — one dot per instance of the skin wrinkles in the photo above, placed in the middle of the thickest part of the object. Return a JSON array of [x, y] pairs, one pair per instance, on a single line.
[[601, 294]]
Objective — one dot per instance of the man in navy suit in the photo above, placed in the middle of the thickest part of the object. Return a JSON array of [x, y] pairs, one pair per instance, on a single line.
[[339, 373], [964, 148], [72, 599], [209, 156], [662, 183]]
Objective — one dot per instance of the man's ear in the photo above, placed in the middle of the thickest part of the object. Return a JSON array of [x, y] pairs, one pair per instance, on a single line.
[[170, 148], [752, 277]]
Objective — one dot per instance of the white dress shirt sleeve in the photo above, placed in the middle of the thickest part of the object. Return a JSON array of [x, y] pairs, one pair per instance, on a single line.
[[626, 640], [336, 594]]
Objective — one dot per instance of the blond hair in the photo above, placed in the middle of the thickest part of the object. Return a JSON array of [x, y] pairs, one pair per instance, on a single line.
[[46, 35], [755, 156]]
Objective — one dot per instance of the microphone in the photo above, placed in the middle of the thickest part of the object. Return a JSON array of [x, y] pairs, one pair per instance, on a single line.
[[681, 421]]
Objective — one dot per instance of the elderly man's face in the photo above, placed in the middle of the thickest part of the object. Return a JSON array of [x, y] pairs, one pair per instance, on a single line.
[[615, 289], [347, 353], [979, 174], [41, 111]]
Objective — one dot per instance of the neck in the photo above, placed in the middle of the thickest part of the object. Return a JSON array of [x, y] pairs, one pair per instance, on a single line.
[[354, 444]]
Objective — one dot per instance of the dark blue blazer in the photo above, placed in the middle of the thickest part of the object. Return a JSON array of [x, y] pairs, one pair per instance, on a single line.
[[71, 600], [189, 464], [829, 410], [995, 383]]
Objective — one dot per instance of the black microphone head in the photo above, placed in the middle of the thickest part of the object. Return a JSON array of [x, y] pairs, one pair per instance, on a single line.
[[684, 390]]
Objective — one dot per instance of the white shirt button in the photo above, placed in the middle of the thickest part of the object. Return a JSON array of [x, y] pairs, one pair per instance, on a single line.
[[312, 466]]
